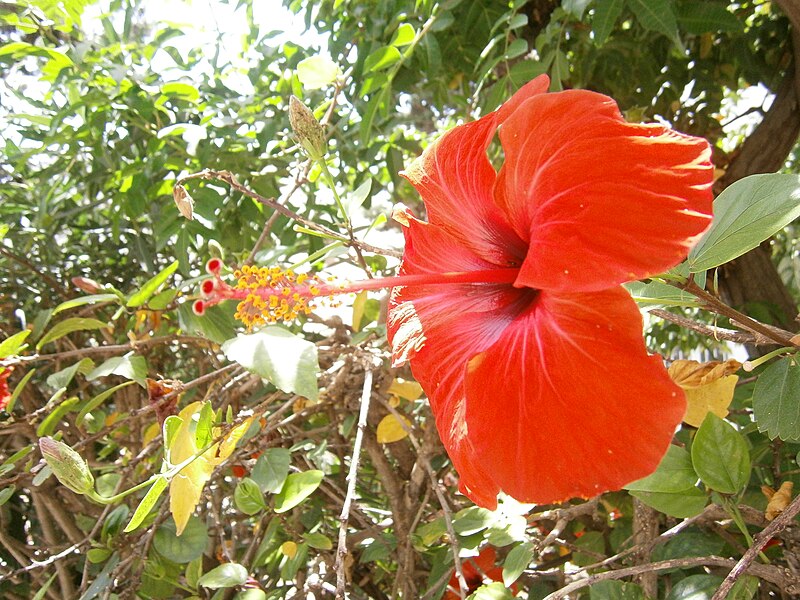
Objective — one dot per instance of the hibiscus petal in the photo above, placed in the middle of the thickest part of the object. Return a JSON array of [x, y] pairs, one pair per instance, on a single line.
[[601, 201], [568, 402], [438, 328], [455, 179]]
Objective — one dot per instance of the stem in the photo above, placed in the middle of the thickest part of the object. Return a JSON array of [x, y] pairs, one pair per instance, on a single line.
[[332, 185], [750, 365], [341, 549], [711, 302], [732, 509]]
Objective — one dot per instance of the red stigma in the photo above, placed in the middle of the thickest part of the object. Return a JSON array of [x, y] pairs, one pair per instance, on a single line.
[[199, 307], [213, 266], [207, 287]]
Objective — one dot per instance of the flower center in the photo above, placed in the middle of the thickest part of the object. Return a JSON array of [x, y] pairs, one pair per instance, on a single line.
[[270, 294]]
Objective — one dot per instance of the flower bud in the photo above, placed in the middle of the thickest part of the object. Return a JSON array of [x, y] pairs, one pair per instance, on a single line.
[[183, 201], [308, 130], [67, 465], [90, 286]]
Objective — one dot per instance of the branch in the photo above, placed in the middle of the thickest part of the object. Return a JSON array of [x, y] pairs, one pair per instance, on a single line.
[[341, 550], [745, 563], [227, 177], [717, 333], [769, 573]]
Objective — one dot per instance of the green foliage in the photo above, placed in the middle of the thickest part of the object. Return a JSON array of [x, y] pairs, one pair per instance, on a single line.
[[747, 213], [98, 271]]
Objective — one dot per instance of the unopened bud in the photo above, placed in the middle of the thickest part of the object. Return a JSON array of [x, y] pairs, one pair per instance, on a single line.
[[90, 286], [183, 201], [67, 465], [308, 130]]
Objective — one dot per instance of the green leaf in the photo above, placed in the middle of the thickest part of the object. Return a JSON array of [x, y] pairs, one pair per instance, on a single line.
[[63, 377], [519, 20], [404, 35], [593, 543], [271, 469], [472, 520], [68, 326], [720, 456], [382, 58], [224, 576], [674, 474], [182, 548], [147, 504], [492, 591], [248, 498], [745, 588], [18, 390], [654, 294], [517, 561], [616, 590], [286, 360], [316, 72], [517, 48], [181, 90], [11, 345], [318, 541], [695, 587], [84, 300], [98, 400], [6, 493], [575, 7], [217, 323], [706, 16], [51, 421], [683, 504], [151, 287], [656, 15], [203, 429], [97, 555], [128, 366], [746, 213], [297, 488], [368, 117], [775, 400], [606, 13], [358, 197]]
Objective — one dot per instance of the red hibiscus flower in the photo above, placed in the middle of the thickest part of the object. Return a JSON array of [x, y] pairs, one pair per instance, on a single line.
[[508, 306], [541, 384], [476, 571], [5, 393]]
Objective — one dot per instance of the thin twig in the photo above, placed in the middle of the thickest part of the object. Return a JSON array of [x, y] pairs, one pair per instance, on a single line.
[[718, 333], [227, 177], [341, 551], [775, 334], [769, 573], [109, 349], [447, 513], [780, 523]]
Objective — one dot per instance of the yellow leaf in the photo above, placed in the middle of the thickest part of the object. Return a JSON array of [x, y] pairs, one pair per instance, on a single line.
[[708, 386], [228, 444], [391, 430], [410, 390], [150, 433], [358, 310], [187, 485], [778, 501], [289, 549]]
